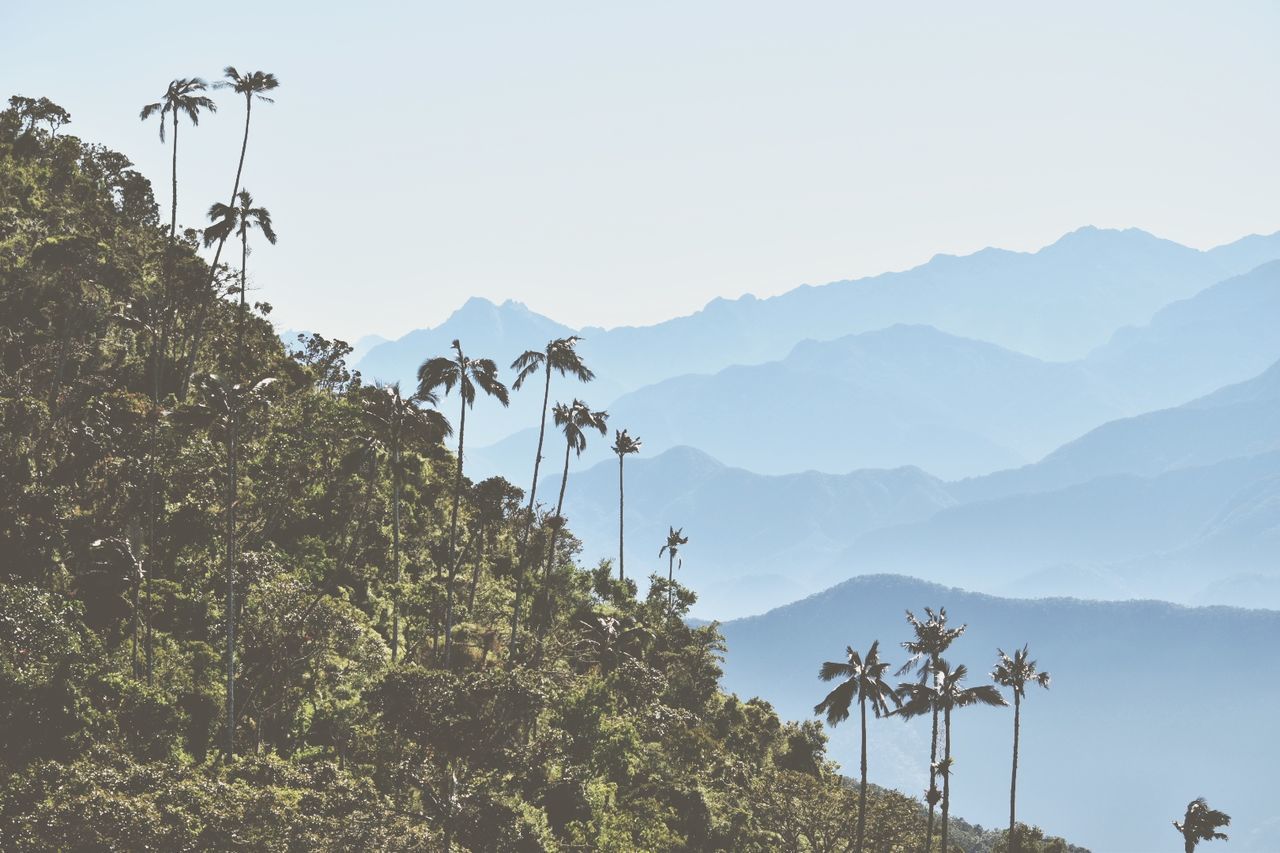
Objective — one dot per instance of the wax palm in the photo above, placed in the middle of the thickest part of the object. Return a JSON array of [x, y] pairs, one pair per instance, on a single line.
[[674, 540], [932, 639], [467, 375], [239, 219], [1201, 824], [400, 423], [559, 355], [182, 97], [946, 691], [863, 681], [574, 420], [252, 86], [623, 444], [1016, 673]]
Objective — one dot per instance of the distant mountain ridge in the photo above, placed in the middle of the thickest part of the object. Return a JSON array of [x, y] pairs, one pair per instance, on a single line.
[[1121, 675]]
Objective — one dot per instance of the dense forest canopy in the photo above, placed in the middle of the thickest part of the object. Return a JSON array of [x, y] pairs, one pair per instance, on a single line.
[[250, 601]]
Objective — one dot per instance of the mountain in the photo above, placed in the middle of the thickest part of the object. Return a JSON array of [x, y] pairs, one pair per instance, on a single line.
[[905, 395], [1239, 420], [1167, 536], [748, 533], [1125, 683], [1224, 334], [1058, 303]]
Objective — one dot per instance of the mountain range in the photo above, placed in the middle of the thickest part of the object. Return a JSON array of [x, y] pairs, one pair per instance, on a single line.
[[1180, 687]]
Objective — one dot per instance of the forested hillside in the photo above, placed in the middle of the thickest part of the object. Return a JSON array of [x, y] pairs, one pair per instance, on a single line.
[[250, 602]]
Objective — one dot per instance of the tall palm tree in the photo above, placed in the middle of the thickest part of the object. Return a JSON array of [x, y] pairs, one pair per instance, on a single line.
[[864, 681], [559, 355], [253, 86], [945, 690], [932, 639], [1016, 673], [622, 445], [674, 541], [574, 420], [467, 374], [182, 96], [1201, 824], [239, 219], [401, 423]]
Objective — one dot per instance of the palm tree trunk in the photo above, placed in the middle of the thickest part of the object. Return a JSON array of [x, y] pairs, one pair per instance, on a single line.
[[173, 208], [476, 568], [621, 498], [1013, 780], [545, 622], [244, 283], [522, 558], [933, 779], [457, 482], [862, 787], [231, 582], [946, 775], [137, 583], [671, 578], [190, 367], [395, 545]]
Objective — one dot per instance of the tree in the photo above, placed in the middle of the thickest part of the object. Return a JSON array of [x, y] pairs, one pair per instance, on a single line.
[[223, 406], [948, 693], [1201, 823], [239, 218], [182, 96], [1016, 673], [252, 85], [560, 355], [622, 445], [400, 423], [932, 639], [574, 419], [864, 681], [674, 541], [467, 374]]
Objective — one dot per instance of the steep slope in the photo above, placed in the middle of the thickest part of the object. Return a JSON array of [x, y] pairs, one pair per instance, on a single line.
[[1120, 675], [752, 537]]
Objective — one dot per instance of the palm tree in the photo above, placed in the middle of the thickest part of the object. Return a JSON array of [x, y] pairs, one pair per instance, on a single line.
[[401, 423], [863, 680], [574, 419], [1016, 673], [239, 218], [932, 639], [622, 445], [948, 693], [467, 374], [674, 541], [559, 355], [182, 96], [224, 403], [252, 85], [1201, 824]]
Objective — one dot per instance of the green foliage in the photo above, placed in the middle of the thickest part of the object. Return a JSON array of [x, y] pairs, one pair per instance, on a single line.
[[617, 737]]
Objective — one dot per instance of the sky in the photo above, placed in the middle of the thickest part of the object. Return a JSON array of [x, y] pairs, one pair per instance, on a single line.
[[622, 163]]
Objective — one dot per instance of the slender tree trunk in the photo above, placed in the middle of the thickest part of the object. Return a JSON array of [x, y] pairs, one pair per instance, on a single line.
[[477, 566], [522, 557], [1013, 780], [189, 370], [137, 583], [545, 622], [946, 776], [621, 499], [671, 578], [244, 283], [231, 581], [933, 776], [147, 581], [395, 543], [457, 482], [173, 208], [862, 787]]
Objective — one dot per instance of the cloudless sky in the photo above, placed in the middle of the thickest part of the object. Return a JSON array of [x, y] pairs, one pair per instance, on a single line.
[[622, 163]]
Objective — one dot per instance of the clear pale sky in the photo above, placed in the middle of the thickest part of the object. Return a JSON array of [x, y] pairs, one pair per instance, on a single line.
[[621, 163]]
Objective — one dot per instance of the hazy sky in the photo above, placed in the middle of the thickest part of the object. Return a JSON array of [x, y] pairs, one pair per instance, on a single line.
[[621, 163]]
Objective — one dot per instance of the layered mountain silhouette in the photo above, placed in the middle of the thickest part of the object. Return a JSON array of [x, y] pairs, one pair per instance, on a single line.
[[1190, 739]]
